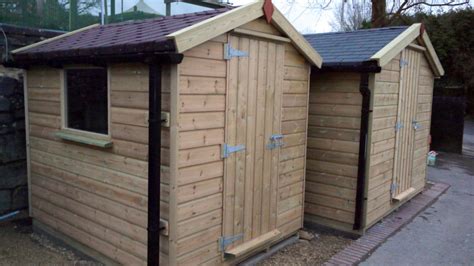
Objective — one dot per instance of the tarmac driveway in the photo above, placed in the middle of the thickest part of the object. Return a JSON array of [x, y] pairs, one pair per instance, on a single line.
[[444, 233]]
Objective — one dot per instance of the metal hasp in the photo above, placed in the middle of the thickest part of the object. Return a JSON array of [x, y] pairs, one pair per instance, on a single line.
[[227, 149], [393, 188], [225, 241], [230, 52], [276, 140], [403, 62], [416, 125]]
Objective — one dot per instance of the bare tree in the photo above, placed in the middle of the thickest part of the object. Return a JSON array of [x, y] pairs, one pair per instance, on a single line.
[[350, 15], [383, 16]]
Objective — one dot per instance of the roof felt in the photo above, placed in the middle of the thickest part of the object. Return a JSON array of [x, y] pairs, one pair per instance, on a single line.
[[139, 36], [352, 46]]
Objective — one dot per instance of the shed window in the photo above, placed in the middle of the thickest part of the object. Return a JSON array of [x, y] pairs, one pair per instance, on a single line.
[[87, 100]]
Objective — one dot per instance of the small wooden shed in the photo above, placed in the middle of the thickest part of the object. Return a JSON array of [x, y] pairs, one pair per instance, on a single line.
[[232, 85], [369, 124]]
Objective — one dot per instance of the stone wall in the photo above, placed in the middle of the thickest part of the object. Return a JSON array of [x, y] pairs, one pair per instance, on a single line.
[[13, 173]]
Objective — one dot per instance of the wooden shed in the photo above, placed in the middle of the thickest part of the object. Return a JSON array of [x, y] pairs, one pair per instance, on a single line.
[[232, 86], [369, 124]]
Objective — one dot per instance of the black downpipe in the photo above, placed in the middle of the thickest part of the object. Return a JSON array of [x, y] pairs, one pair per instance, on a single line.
[[154, 159], [364, 128]]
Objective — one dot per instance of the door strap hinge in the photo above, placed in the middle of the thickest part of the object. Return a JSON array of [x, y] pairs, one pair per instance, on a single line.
[[398, 126], [230, 52], [393, 188], [403, 63], [225, 241], [227, 149]]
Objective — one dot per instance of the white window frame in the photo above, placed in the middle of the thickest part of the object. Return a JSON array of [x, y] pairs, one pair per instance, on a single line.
[[79, 132]]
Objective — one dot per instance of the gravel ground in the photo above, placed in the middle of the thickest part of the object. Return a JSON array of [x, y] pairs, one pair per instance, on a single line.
[[19, 245], [315, 252]]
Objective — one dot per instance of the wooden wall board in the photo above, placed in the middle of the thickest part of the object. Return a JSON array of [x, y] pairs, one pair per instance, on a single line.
[[333, 146], [104, 188]]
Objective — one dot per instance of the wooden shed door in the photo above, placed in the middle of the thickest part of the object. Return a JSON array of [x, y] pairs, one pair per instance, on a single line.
[[406, 124], [253, 115]]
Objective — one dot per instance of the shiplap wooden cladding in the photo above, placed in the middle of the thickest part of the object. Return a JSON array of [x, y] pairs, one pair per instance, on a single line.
[[97, 197], [398, 139]]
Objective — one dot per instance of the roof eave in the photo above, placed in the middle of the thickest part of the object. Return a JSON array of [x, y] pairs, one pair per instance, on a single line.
[[389, 51], [203, 31], [369, 66]]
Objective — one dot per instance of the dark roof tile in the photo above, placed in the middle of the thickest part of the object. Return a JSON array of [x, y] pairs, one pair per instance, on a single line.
[[352, 46], [147, 35]]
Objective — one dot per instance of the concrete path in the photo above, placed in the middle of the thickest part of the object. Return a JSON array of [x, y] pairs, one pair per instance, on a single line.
[[444, 233]]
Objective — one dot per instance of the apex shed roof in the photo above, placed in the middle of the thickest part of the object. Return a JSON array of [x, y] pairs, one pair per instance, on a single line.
[[378, 45], [354, 46], [168, 35]]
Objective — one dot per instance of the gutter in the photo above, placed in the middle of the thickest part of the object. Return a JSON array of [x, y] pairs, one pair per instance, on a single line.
[[154, 159], [363, 142], [361, 67]]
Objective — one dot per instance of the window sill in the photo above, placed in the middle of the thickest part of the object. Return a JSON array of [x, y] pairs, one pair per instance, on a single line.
[[84, 140]]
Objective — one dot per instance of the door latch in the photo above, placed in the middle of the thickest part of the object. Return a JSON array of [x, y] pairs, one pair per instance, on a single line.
[[276, 140], [416, 125]]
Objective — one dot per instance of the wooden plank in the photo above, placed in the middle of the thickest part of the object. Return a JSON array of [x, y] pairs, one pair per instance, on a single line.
[[291, 177], [333, 145], [335, 110], [198, 173], [333, 156], [131, 215], [294, 139], [200, 189], [92, 156], [253, 244], [338, 215], [260, 35], [202, 103], [260, 138], [267, 158], [294, 86], [43, 107], [350, 98], [52, 121], [198, 33], [188, 244], [333, 133], [330, 190], [201, 85], [199, 223], [203, 67], [332, 168], [209, 50], [294, 113], [290, 127], [128, 116], [294, 152], [331, 202], [129, 133], [197, 121], [198, 207], [130, 77], [334, 122], [295, 73], [135, 232], [201, 138], [295, 100], [200, 155], [261, 25], [407, 193], [105, 175], [330, 179], [127, 99]]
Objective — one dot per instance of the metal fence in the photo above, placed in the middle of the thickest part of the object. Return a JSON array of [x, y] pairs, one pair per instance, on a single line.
[[69, 15]]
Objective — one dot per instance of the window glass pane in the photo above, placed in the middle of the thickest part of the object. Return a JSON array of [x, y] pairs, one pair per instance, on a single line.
[[87, 99]]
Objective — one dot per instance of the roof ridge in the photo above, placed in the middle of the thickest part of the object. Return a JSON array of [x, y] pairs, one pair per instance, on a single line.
[[355, 31]]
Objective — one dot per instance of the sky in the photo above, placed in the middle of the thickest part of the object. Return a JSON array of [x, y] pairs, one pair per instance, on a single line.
[[304, 19]]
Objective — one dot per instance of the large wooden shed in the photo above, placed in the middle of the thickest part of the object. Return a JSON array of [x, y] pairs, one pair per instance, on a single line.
[[369, 124], [232, 86]]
